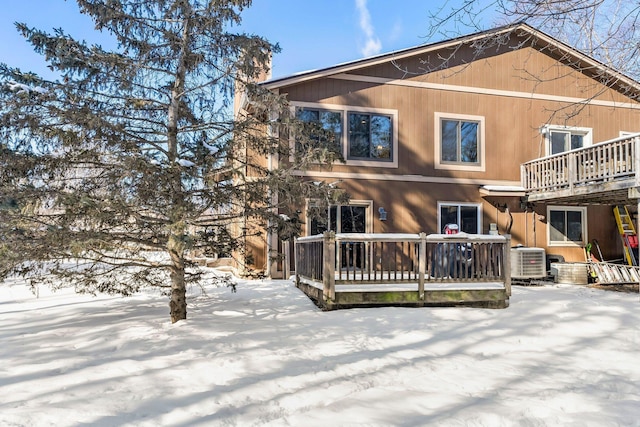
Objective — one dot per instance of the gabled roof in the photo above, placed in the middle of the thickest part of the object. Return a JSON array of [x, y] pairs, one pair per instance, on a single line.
[[540, 40]]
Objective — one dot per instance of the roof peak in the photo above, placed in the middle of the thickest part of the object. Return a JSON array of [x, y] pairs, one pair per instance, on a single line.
[[541, 40]]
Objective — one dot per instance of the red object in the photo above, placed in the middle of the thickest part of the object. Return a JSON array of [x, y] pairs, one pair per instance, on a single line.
[[451, 229], [632, 241]]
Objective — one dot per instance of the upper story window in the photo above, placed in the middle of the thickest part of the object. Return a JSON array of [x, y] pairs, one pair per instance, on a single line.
[[366, 136], [459, 142], [370, 136], [563, 138], [330, 121]]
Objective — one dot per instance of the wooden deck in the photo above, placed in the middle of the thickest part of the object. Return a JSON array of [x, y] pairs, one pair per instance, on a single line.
[[415, 270], [604, 173]]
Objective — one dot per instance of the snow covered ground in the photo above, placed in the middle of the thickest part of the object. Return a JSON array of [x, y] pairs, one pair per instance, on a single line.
[[558, 356]]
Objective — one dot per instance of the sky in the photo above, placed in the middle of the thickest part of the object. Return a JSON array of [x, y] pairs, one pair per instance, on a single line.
[[311, 34], [560, 355]]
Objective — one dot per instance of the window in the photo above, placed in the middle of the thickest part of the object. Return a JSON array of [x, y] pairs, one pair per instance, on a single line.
[[459, 142], [366, 136], [466, 215], [370, 136], [567, 225], [330, 121], [356, 217], [564, 141], [561, 139], [352, 218]]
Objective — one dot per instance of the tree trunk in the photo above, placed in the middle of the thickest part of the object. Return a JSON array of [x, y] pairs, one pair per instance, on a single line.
[[178, 303], [175, 244]]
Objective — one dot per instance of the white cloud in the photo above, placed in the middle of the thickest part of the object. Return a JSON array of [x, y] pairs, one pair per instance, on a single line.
[[372, 45], [396, 30]]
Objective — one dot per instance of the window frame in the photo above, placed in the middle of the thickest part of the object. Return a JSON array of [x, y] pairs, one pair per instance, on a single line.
[[584, 227], [478, 206], [480, 165], [586, 133], [345, 110], [367, 204], [371, 116], [319, 122]]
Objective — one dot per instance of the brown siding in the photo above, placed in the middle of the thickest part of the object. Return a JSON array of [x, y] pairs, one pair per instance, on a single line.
[[512, 124], [512, 137], [412, 208]]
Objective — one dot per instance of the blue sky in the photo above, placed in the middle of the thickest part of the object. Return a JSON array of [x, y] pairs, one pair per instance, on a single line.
[[312, 34]]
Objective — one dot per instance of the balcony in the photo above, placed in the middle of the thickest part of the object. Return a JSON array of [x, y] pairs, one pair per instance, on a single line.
[[604, 173]]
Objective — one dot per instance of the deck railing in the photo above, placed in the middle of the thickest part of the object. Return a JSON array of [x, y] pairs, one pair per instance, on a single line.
[[607, 161], [352, 258]]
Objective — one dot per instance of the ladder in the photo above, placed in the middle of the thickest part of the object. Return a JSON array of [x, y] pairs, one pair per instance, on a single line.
[[627, 233], [608, 273]]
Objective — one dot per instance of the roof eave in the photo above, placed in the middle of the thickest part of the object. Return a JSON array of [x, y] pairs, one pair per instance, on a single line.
[[398, 55], [386, 57]]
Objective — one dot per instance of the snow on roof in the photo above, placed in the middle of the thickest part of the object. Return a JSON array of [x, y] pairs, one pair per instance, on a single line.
[[502, 190]]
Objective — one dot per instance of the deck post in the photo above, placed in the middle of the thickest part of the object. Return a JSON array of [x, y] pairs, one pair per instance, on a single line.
[[329, 266], [506, 262], [422, 264], [572, 173], [286, 268], [295, 260]]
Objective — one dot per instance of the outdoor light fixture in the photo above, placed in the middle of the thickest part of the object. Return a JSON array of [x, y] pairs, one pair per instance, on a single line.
[[383, 214]]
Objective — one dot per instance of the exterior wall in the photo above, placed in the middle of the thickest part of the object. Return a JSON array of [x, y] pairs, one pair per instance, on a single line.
[[254, 256], [512, 122], [516, 92], [413, 208]]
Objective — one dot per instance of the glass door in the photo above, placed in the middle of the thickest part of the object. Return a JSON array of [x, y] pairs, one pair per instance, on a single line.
[[345, 219]]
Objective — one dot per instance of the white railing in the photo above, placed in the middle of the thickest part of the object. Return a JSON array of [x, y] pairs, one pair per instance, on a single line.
[[607, 161]]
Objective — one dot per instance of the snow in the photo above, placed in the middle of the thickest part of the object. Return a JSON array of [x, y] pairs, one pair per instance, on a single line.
[[211, 148], [22, 88], [265, 355], [186, 163], [409, 237], [505, 188]]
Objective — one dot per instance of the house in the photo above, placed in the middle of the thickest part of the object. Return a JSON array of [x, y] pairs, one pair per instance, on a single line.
[[437, 134]]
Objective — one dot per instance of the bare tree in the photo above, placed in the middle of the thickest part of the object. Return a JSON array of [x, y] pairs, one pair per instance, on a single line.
[[607, 30]]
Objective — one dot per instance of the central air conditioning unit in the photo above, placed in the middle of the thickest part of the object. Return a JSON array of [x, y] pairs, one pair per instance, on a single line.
[[528, 263]]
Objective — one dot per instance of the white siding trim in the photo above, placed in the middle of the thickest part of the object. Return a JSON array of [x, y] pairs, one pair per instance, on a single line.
[[403, 178]]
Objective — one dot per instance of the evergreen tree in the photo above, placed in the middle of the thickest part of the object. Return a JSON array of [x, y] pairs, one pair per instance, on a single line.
[[113, 174]]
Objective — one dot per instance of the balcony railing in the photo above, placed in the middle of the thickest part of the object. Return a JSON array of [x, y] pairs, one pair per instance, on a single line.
[[606, 162]]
